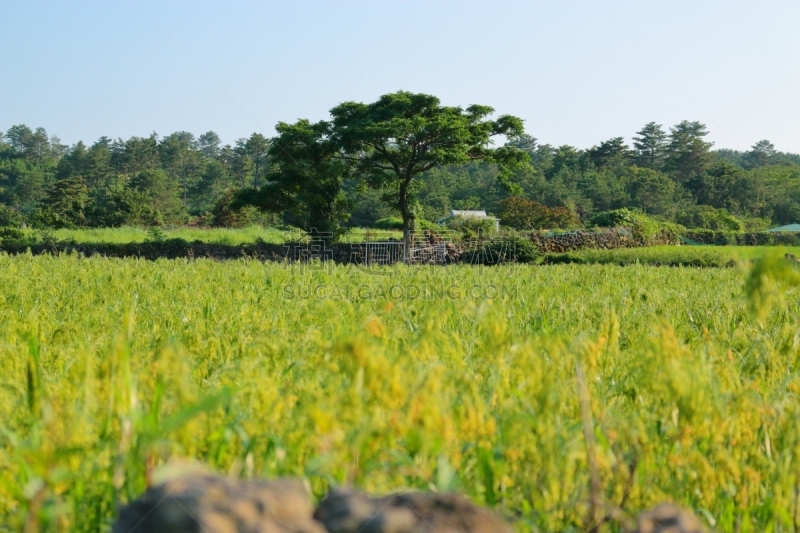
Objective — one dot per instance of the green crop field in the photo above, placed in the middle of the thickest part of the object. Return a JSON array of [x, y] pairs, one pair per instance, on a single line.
[[700, 256], [228, 236], [459, 378]]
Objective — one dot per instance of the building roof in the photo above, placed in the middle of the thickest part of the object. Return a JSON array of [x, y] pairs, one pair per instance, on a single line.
[[467, 214], [475, 214], [791, 227]]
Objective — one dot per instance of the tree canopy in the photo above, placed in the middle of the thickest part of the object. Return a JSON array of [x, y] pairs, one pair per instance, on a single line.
[[393, 141], [404, 155]]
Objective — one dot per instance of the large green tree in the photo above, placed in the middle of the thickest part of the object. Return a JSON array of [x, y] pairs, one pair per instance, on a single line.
[[162, 193], [238, 161], [209, 143], [64, 204], [131, 157], [180, 157], [761, 154], [308, 177], [650, 145], [257, 149], [653, 192], [610, 152], [215, 179], [395, 140], [687, 154]]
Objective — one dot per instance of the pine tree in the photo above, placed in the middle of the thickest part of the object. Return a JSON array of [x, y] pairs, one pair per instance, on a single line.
[[687, 153], [257, 146], [760, 155], [650, 144]]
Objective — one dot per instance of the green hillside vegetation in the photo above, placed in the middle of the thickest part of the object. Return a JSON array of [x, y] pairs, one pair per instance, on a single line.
[[336, 175]]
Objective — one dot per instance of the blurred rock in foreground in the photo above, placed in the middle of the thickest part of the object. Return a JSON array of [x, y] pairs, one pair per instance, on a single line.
[[214, 504], [669, 518], [350, 511]]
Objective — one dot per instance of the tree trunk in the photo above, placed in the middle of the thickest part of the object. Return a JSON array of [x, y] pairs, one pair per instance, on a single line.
[[409, 221]]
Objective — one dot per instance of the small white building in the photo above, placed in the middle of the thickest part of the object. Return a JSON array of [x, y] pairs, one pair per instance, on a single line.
[[792, 228], [481, 215]]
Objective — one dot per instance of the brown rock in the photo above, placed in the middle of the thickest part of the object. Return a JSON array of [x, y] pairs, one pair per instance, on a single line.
[[669, 518], [214, 504], [350, 511]]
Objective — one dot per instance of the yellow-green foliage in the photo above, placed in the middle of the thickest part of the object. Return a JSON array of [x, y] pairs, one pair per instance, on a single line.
[[112, 366]]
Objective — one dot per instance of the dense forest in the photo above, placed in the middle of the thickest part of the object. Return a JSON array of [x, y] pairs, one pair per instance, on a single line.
[[673, 174]]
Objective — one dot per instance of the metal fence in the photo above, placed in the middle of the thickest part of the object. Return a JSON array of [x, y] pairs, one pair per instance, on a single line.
[[382, 253], [391, 252], [431, 254]]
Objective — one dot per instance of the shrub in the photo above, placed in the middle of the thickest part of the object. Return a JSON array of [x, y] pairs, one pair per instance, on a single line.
[[707, 217], [756, 223], [709, 236], [10, 216], [126, 207], [525, 251], [230, 213], [14, 237], [396, 223], [389, 223], [495, 252], [423, 224], [645, 229], [471, 227], [155, 234], [614, 218], [521, 213]]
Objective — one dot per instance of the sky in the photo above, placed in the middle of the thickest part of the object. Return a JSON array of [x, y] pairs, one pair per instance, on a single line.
[[577, 72]]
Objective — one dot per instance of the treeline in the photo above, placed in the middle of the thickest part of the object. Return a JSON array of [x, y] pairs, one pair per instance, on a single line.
[[673, 175], [142, 181], [403, 155]]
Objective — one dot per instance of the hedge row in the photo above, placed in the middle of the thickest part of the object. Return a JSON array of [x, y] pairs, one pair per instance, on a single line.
[[712, 237]]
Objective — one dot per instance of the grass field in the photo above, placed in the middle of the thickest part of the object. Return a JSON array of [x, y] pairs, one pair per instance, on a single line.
[[226, 236], [458, 378], [134, 234], [700, 256]]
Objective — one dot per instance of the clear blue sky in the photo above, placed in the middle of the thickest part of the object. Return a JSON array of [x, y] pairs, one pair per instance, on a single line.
[[577, 72]]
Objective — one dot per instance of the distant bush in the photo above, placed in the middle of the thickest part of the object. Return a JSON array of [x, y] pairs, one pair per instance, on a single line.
[[155, 234], [396, 223], [710, 236], [524, 214], [203, 220], [615, 218], [423, 224], [389, 223], [645, 229], [525, 251], [14, 237], [10, 217], [758, 238], [756, 223], [688, 256], [707, 217], [471, 227], [229, 212], [495, 252]]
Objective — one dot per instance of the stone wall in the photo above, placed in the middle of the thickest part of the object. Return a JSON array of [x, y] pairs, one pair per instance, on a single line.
[[195, 503], [559, 242], [178, 249], [545, 242]]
